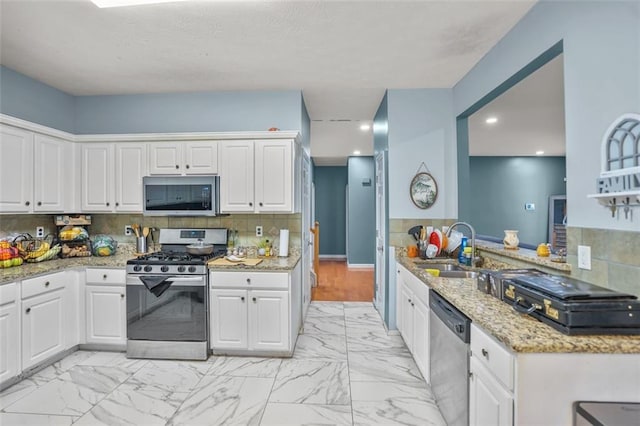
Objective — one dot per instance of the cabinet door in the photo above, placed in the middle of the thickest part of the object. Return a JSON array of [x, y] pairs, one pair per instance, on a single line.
[[42, 327], [201, 158], [165, 158], [274, 176], [16, 170], [9, 341], [399, 300], [228, 319], [406, 299], [106, 314], [53, 159], [489, 402], [421, 337], [269, 320], [131, 166], [97, 177], [236, 176]]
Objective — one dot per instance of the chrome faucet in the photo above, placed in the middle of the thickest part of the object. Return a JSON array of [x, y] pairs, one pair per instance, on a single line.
[[474, 259]]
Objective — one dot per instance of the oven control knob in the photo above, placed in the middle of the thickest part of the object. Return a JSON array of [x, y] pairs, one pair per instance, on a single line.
[[164, 268], [147, 268], [137, 268], [181, 268], [192, 268], [459, 328]]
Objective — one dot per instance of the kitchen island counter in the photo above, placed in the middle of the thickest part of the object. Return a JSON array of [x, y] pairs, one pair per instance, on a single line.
[[520, 333]]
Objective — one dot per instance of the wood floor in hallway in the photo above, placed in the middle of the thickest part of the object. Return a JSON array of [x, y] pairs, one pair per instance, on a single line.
[[340, 283]]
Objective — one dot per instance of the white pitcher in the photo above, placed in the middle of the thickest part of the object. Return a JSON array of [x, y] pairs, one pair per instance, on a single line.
[[511, 239]]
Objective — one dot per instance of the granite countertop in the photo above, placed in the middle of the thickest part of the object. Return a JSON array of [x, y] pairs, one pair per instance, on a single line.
[[268, 264], [520, 333], [525, 255], [119, 260]]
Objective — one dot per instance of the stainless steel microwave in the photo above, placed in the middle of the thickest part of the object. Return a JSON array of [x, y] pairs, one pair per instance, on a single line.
[[181, 195]]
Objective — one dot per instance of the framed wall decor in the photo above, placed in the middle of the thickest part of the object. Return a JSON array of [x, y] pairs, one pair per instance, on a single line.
[[423, 189]]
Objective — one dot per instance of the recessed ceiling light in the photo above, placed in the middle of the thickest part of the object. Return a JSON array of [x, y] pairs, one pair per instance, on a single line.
[[356, 152], [491, 120], [539, 152], [121, 3], [364, 127]]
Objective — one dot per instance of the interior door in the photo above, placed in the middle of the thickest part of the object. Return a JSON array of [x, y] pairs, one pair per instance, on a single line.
[[381, 267]]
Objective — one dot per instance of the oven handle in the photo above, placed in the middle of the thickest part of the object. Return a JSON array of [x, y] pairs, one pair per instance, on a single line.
[[176, 281]]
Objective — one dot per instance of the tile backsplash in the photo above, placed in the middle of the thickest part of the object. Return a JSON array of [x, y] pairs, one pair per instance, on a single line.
[[398, 229], [113, 224]]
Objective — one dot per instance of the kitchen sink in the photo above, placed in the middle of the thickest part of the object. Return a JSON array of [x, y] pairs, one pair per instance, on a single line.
[[458, 274], [442, 267]]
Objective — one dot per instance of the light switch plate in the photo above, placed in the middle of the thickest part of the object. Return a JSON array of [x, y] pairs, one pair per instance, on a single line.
[[584, 257], [258, 231]]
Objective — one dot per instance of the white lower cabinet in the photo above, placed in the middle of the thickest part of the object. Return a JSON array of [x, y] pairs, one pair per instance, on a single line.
[[106, 307], [43, 325], [489, 402], [9, 332], [252, 312], [413, 317]]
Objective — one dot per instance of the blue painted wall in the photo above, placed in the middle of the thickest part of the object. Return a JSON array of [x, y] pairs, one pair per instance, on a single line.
[[500, 187], [331, 208], [601, 53], [28, 99], [189, 112], [361, 218]]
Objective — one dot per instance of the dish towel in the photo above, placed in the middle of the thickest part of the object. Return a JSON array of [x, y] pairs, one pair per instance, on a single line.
[[156, 285]]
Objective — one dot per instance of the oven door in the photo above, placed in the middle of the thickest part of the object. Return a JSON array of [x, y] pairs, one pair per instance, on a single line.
[[179, 314]]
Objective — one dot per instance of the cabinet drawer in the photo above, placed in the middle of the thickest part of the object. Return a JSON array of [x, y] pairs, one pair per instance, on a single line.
[[493, 355], [275, 280], [44, 284], [8, 293], [106, 276]]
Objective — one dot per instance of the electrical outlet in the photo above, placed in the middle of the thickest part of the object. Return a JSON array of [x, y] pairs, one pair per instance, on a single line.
[[39, 231], [584, 257], [128, 230], [258, 231]]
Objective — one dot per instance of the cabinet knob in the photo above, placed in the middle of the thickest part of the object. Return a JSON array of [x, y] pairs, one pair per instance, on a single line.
[[107, 204], [260, 204], [177, 167], [242, 298], [253, 298], [104, 277], [117, 204], [27, 203], [485, 353], [409, 300], [250, 204], [39, 203], [248, 280], [47, 284], [413, 304], [28, 310], [122, 296], [187, 166]]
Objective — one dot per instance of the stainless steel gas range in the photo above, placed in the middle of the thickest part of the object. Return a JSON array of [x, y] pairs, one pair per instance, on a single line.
[[168, 297]]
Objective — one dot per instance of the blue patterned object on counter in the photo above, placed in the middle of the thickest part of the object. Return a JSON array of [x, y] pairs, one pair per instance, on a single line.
[[104, 245]]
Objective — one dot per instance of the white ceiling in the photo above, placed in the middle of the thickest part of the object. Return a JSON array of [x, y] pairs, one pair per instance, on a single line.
[[341, 54], [530, 117]]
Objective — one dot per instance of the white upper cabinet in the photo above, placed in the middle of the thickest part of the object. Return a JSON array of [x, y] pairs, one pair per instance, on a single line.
[[131, 166], [177, 158], [236, 176], [97, 177], [16, 170], [35, 171], [53, 165], [274, 165], [258, 176]]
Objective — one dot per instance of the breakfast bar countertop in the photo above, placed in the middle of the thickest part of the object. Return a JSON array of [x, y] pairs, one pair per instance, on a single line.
[[520, 333]]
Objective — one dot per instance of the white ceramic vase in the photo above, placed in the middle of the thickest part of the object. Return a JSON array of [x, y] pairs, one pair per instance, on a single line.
[[511, 239]]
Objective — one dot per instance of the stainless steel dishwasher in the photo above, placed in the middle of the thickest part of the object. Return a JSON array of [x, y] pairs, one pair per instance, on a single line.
[[449, 359]]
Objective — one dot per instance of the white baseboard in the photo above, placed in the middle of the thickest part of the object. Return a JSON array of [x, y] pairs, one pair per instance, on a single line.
[[332, 257], [360, 265]]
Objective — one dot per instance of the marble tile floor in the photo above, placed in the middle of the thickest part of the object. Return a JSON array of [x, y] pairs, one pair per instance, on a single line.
[[345, 370]]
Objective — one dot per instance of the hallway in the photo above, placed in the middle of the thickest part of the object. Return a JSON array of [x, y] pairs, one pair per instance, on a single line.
[[339, 283]]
